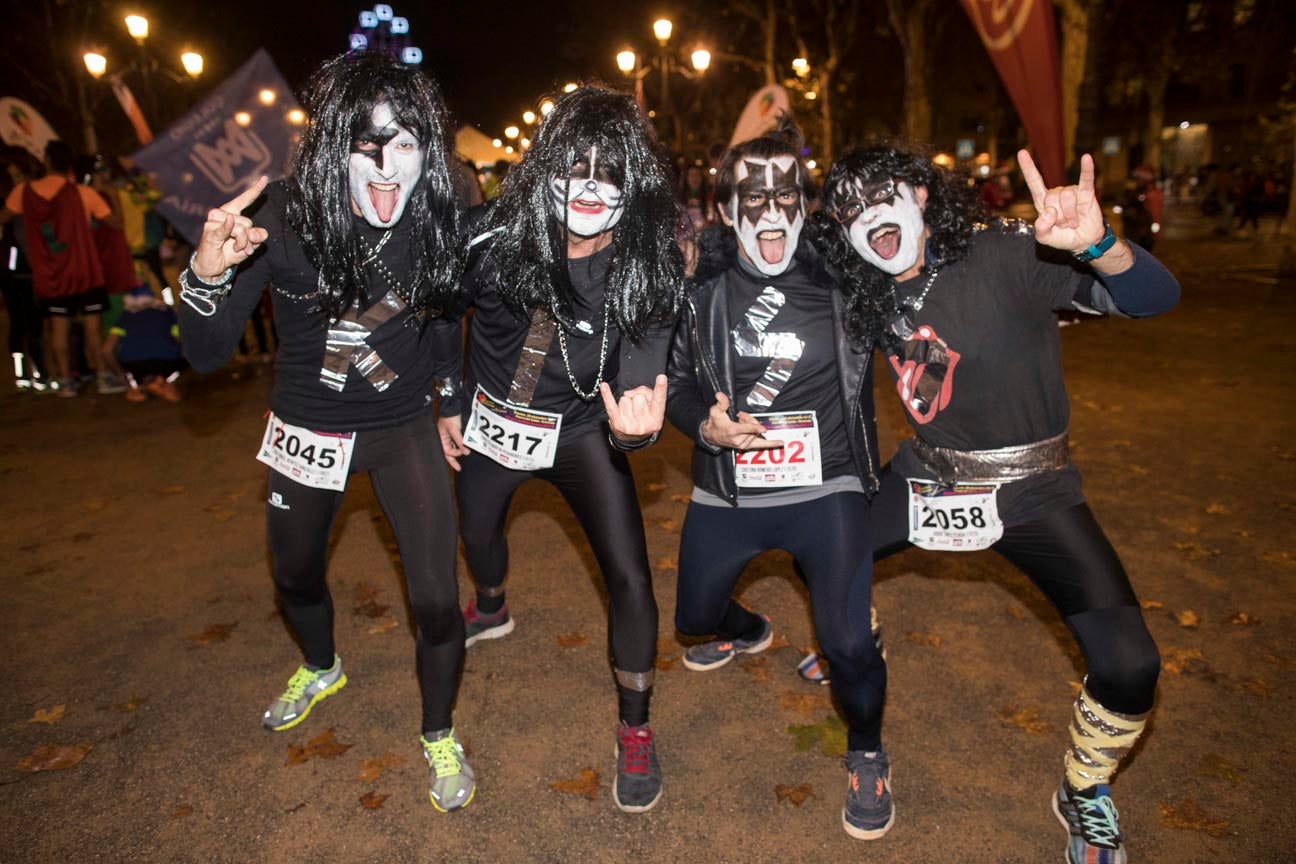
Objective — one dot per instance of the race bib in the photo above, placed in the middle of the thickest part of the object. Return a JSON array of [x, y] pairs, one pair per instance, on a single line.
[[964, 518], [796, 463], [523, 439], [319, 459]]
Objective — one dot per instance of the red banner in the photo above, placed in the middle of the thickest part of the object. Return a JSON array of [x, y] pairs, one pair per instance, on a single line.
[[132, 109], [1022, 41]]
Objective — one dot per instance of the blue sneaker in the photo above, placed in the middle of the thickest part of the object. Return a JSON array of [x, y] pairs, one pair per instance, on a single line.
[[713, 655], [1092, 824], [479, 626], [638, 784], [869, 811]]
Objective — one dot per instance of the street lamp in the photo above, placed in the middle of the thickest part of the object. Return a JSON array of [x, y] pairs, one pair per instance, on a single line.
[[626, 61], [96, 64], [497, 143], [137, 27], [267, 96], [193, 65], [296, 116], [801, 66], [545, 107], [511, 132], [701, 59], [528, 117], [662, 28], [569, 86], [242, 118]]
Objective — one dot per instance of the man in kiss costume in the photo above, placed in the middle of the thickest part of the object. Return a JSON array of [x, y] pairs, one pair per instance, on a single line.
[[577, 279], [763, 332], [360, 245], [966, 314]]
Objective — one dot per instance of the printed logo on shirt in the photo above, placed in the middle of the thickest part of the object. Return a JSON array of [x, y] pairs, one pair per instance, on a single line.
[[926, 374], [276, 500]]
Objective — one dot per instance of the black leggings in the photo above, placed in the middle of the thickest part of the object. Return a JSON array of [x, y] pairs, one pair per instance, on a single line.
[[1070, 560], [409, 478], [595, 481], [831, 541]]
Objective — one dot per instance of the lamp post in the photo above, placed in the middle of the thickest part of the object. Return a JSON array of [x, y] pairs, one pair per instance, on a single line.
[[628, 62]]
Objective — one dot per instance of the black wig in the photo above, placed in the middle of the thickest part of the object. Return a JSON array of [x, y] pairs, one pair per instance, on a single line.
[[783, 140], [340, 103], [951, 214], [646, 274]]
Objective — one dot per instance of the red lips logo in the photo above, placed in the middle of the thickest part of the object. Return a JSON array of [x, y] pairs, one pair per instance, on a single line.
[[926, 375]]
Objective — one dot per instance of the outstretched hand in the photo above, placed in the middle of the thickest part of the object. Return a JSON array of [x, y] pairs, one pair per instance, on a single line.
[[229, 238], [1070, 217], [745, 433], [640, 412]]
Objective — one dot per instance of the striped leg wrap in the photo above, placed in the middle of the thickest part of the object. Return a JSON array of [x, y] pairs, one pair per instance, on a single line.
[[1099, 740]]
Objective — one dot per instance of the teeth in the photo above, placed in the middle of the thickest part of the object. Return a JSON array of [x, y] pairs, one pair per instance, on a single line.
[[770, 235], [385, 187]]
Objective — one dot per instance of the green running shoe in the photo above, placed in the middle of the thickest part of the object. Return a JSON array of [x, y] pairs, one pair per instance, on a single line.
[[452, 783], [305, 688]]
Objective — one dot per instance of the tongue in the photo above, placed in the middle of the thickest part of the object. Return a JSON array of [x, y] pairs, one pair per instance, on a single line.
[[772, 250], [887, 245], [384, 202]]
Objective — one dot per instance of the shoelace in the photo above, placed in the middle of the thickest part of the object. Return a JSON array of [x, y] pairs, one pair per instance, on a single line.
[[636, 750], [1098, 817], [444, 756], [298, 683]]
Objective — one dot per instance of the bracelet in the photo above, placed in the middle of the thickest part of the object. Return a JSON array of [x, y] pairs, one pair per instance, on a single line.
[[1100, 248], [224, 277], [202, 300], [630, 448]]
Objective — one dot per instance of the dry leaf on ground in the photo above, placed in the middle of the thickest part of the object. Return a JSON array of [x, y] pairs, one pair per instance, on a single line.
[[1016, 612], [54, 757], [213, 634], [1183, 661], [1195, 551], [1151, 605], [1024, 718], [1215, 508], [50, 716], [383, 627], [131, 704], [1242, 619], [668, 525], [1189, 816], [656, 487], [680, 499], [670, 562], [585, 783], [797, 795], [1188, 618], [322, 746], [571, 640], [1258, 686], [372, 800], [372, 769], [757, 667], [918, 638], [779, 641], [805, 703], [182, 810], [666, 664], [370, 609], [1214, 765]]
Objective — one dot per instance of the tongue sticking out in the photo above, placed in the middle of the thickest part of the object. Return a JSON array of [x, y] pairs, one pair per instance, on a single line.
[[384, 201], [772, 250], [886, 243]]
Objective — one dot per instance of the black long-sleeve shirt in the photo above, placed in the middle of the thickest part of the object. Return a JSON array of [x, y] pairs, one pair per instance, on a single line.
[[301, 396]]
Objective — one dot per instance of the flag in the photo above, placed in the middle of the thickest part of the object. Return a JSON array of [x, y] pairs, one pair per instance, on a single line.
[[245, 128], [1022, 41]]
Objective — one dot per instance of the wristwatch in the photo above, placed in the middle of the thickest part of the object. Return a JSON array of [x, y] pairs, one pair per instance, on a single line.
[[1100, 248]]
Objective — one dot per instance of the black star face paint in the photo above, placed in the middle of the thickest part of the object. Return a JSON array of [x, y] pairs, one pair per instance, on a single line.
[[768, 212], [588, 201], [385, 165], [883, 222]]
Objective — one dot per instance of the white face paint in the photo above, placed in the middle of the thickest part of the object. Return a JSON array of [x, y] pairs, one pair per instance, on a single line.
[[883, 221], [587, 200], [385, 165], [767, 211]]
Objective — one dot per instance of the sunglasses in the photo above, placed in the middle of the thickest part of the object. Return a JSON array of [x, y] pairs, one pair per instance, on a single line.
[[872, 196]]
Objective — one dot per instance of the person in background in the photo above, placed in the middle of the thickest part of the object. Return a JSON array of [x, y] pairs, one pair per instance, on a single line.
[[145, 341], [26, 343], [695, 195], [496, 180]]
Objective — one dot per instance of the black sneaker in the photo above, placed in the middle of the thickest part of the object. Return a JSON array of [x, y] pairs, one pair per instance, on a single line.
[[869, 811], [714, 654], [478, 626], [638, 783], [1092, 823]]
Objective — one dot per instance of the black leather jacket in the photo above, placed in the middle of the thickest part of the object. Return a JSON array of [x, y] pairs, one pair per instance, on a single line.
[[702, 360]]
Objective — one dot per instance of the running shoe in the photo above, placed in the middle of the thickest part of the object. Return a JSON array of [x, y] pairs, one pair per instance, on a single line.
[[869, 811], [65, 387], [452, 782], [306, 687], [814, 668], [135, 394], [638, 783], [110, 385], [713, 655], [1092, 824], [478, 626], [163, 389]]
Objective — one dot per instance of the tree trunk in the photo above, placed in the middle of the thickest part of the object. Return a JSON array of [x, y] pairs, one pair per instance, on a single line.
[[1076, 15], [771, 37], [1156, 90], [909, 21]]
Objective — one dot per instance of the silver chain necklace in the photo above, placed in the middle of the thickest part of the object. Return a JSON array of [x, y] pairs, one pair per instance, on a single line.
[[917, 304], [562, 345]]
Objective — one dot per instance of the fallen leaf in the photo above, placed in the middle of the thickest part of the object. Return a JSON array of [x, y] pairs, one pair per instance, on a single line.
[[372, 769], [1139, 470], [585, 783], [571, 640], [1196, 551], [372, 800], [668, 525], [829, 734], [1258, 686], [806, 704], [1242, 619], [670, 562], [52, 716], [1214, 765], [1076, 687], [797, 795], [1016, 612], [1189, 816], [666, 664], [656, 487], [131, 704], [322, 746], [182, 810], [1183, 661], [213, 634], [922, 638], [1150, 605], [1188, 618], [1245, 535], [364, 592], [54, 757], [757, 667], [370, 609], [383, 627], [1215, 508], [680, 499], [1024, 718], [779, 641]]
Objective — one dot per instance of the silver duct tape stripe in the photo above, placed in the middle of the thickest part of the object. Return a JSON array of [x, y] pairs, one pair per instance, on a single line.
[[346, 345], [1087, 717], [992, 466], [1093, 706], [490, 590], [784, 350], [526, 377], [639, 681]]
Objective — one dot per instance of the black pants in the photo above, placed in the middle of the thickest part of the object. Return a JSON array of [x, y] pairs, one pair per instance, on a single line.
[[832, 543], [26, 329], [595, 481], [1068, 558], [409, 478]]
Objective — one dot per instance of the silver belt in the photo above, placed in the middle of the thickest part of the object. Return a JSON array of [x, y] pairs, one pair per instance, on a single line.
[[993, 466]]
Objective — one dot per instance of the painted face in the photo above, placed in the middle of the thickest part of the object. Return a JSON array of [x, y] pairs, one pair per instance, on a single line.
[[767, 211], [587, 200], [883, 221], [385, 166]]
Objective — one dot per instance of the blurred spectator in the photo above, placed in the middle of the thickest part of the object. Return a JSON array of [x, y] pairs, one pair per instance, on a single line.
[[145, 340], [464, 175], [494, 182], [696, 196], [26, 345], [1218, 198], [1142, 207], [1250, 198]]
